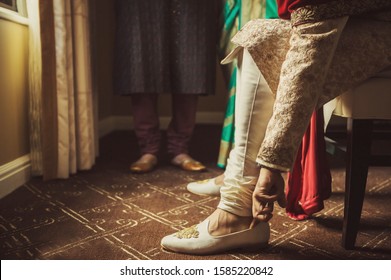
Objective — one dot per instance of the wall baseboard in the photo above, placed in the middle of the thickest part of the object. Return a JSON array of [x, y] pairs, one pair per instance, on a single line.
[[14, 174], [13, 16], [113, 123], [17, 172]]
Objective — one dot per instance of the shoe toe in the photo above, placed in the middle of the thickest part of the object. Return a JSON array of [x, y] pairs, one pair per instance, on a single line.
[[184, 241], [143, 166], [192, 165], [205, 187]]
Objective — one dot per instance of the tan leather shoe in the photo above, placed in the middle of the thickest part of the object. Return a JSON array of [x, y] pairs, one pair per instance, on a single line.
[[144, 164], [186, 162]]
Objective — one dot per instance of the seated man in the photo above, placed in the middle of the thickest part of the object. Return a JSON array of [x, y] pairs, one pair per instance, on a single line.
[[287, 69]]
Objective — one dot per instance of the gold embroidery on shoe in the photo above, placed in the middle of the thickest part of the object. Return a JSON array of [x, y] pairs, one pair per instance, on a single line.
[[203, 181], [187, 233]]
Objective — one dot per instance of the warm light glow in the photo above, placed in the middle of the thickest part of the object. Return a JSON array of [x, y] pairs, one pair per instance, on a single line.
[[13, 16]]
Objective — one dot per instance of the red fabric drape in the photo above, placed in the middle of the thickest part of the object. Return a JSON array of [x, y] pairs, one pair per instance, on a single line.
[[309, 183], [285, 7]]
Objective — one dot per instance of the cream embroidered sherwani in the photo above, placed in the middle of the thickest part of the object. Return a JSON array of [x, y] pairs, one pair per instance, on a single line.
[[304, 66], [309, 64]]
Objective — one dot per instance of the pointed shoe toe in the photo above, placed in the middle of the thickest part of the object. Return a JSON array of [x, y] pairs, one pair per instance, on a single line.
[[145, 164], [205, 187], [196, 240], [142, 167], [187, 163], [192, 165]]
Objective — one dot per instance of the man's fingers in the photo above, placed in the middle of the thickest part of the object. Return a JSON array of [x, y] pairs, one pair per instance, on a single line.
[[263, 212], [265, 208], [269, 188], [266, 198], [264, 217], [271, 194]]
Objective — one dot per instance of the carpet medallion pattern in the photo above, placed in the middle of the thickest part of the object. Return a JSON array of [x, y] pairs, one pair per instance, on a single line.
[[109, 213]]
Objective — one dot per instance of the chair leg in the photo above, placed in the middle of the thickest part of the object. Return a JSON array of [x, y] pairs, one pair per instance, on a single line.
[[358, 154]]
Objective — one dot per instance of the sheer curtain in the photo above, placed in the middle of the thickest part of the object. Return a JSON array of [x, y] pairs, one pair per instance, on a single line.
[[62, 119]]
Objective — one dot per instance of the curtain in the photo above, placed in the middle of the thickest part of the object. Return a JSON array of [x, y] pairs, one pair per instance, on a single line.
[[235, 14], [62, 122]]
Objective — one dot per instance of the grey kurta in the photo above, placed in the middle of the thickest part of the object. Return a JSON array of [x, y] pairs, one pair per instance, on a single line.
[[166, 46]]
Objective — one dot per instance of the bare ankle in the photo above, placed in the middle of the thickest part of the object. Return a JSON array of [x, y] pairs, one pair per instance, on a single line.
[[219, 180], [222, 222]]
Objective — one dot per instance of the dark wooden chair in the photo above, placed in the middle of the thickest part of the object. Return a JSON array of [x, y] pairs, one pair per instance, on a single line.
[[362, 106]]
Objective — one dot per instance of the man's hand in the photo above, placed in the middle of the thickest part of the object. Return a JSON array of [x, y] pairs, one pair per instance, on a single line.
[[269, 188]]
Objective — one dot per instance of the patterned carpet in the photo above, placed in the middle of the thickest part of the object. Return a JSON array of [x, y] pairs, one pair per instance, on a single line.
[[108, 213]]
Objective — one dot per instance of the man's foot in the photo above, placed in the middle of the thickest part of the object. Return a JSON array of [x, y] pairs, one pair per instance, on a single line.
[[222, 222], [144, 164], [221, 231]]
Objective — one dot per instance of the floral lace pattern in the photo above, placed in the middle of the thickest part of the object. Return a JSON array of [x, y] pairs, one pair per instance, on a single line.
[[308, 65]]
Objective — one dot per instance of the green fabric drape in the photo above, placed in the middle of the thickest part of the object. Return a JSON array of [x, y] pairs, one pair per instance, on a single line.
[[235, 14]]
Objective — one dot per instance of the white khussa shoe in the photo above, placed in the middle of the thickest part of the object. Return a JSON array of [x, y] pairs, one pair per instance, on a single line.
[[196, 240], [205, 187]]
